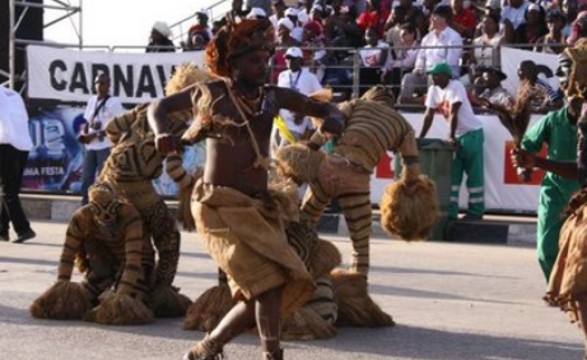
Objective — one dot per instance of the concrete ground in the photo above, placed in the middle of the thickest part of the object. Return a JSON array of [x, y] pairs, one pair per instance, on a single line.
[[450, 301]]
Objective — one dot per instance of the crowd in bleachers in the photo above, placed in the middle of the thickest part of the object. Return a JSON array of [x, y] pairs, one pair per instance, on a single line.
[[396, 41]]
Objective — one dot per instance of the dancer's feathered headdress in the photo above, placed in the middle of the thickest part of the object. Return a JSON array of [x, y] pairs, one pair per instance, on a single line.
[[236, 39]]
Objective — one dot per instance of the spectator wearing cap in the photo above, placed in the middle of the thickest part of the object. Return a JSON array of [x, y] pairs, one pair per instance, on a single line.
[[493, 7], [489, 91], [547, 98], [284, 41], [300, 79], [297, 32], [441, 44], [463, 19], [159, 40], [553, 42], [263, 4], [512, 16], [533, 27], [200, 34], [486, 46], [449, 97]]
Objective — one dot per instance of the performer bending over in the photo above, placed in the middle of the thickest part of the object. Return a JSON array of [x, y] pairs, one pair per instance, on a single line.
[[240, 220]]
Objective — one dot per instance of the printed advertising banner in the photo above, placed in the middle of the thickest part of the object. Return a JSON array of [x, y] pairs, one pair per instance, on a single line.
[[55, 162], [67, 75]]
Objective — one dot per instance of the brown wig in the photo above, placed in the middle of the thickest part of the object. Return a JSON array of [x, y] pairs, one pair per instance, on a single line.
[[237, 39]]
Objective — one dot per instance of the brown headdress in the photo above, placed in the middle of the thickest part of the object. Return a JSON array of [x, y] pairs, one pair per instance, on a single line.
[[236, 39]]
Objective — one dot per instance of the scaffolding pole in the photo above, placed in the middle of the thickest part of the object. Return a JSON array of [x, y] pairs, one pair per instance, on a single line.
[[14, 24]]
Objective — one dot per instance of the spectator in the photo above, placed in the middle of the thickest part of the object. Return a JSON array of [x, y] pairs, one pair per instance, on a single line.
[[408, 13], [486, 47], [199, 35], [441, 44], [405, 58], [570, 9], [392, 27], [512, 16], [463, 19], [553, 42], [159, 40], [297, 32], [300, 79], [466, 137], [547, 98], [284, 41], [533, 26], [374, 16], [15, 144], [101, 108], [489, 89], [578, 28], [375, 61], [493, 9], [278, 12]]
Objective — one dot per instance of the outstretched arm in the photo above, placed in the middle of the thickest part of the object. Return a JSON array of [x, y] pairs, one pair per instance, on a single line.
[[159, 122]]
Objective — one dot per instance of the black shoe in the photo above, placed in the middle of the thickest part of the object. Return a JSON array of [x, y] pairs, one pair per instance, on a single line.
[[4, 237], [27, 235]]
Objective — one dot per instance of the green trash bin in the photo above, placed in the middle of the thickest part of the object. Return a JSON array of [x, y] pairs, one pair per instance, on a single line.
[[435, 161]]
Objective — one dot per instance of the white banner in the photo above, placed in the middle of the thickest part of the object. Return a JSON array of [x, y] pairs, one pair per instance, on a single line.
[[511, 59], [503, 191], [67, 75]]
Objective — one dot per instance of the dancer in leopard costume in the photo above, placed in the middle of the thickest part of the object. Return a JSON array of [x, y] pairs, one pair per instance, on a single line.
[[106, 240], [134, 163], [372, 127]]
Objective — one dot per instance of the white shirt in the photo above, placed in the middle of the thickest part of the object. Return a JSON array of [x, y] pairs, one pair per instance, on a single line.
[[442, 99], [14, 120], [515, 16], [111, 108], [427, 58], [304, 82], [371, 56]]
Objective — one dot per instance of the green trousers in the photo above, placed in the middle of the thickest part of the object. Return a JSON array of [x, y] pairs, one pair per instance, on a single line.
[[550, 221], [468, 159]]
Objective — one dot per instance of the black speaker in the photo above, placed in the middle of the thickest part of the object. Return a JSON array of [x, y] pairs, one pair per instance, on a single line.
[[31, 28]]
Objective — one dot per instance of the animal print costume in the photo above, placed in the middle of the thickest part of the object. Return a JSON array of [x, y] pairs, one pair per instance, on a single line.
[[107, 241], [131, 167], [372, 128]]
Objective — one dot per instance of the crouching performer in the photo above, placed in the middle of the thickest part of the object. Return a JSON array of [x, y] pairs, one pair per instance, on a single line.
[[133, 164], [105, 239], [240, 219], [409, 207]]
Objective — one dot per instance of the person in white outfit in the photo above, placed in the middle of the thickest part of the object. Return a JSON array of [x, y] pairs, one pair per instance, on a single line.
[[15, 144], [100, 109], [303, 81], [441, 44]]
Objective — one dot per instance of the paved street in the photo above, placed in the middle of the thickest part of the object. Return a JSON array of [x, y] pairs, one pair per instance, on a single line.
[[451, 301]]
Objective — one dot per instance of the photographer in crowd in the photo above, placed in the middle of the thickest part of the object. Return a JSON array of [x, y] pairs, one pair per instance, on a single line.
[[100, 109]]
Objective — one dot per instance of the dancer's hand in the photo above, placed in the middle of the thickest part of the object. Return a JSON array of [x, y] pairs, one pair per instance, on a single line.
[[523, 159]]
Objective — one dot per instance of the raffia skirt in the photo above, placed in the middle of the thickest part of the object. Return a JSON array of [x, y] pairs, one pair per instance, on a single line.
[[247, 239], [568, 280]]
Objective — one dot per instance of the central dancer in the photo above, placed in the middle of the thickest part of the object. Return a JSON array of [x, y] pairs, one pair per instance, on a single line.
[[238, 215]]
